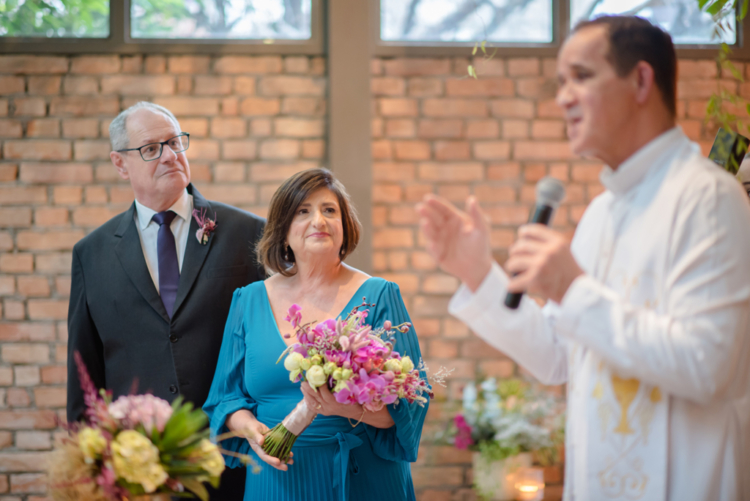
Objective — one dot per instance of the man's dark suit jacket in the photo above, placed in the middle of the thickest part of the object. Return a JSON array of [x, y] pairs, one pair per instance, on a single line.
[[119, 325]]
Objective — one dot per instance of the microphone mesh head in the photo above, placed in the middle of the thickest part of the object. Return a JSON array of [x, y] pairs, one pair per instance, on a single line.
[[549, 191]]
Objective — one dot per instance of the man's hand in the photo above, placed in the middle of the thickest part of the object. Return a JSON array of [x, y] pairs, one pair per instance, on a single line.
[[542, 263], [459, 241]]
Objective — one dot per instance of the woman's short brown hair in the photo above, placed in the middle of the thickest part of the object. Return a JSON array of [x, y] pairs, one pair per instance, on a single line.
[[271, 250]]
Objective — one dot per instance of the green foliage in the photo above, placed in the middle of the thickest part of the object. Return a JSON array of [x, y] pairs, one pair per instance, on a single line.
[[59, 18]]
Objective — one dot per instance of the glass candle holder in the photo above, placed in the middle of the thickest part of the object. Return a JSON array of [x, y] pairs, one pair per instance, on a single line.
[[529, 484]]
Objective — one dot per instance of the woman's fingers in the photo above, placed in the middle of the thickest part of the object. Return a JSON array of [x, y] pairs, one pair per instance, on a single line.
[[270, 460]]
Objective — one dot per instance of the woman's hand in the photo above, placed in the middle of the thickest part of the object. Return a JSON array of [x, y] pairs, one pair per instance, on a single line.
[[323, 402], [244, 423]]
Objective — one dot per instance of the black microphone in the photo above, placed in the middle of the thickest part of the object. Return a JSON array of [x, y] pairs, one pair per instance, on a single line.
[[549, 193]]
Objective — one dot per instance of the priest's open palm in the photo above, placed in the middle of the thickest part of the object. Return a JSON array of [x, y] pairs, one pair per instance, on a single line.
[[459, 241]]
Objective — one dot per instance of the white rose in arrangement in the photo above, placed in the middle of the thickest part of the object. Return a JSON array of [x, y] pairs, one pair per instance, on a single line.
[[291, 363], [316, 376], [407, 365], [393, 365]]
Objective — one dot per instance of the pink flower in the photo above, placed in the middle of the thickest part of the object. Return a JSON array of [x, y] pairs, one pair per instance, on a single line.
[[146, 410], [294, 315], [348, 395], [463, 437], [206, 226]]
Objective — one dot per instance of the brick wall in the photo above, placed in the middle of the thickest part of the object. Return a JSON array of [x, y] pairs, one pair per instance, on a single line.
[[254, 121]]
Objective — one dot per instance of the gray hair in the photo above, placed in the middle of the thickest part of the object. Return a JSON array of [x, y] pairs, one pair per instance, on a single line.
[[118, 133]]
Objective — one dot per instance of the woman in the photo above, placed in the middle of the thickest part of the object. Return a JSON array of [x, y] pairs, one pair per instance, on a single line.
[[311, 229]]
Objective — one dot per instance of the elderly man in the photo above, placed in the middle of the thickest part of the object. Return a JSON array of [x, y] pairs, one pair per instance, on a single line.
[[648, 309], [150, 294]]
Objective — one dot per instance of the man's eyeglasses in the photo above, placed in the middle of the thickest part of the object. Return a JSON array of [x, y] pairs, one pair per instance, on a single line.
[[152, 151]]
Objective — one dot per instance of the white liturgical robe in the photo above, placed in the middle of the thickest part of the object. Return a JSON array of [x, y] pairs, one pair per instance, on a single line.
[[653, 340]]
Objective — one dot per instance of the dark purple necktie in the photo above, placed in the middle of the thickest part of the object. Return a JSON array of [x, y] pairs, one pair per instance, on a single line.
[[169, 269]]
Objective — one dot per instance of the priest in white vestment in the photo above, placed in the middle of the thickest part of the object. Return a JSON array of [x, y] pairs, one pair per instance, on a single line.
[[648, 311]]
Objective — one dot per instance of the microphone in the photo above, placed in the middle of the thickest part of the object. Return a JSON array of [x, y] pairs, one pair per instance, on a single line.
[[549, 193]]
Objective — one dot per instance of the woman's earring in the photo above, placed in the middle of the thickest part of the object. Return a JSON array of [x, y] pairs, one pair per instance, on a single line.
[[286, 254]]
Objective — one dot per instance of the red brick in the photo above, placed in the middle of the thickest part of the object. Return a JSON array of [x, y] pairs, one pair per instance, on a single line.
[[44, 127], [452, 150], [188, 64], [491, 150], [229, 171], [8, 173], [447, 128], [80, 128], [514, 108], [495, 194], [376, 127], [382, 150], [400, 128], [313, 148], [203, 149], [523, 67], [303, 106], [228, 127], [49, 397], [51, 240], [121, 194], [299, 127], [56, 173], [84, 106], [27, 64], [54, 374], [548, 129], [22, 195], [80, 85], [230, 106], [95, 64], [96, 195], [59, 262], [244, 85], [248, 64], [93, 216], [239, 150], [407, 282], [393, 238], [213, 85], [387, 193], [62, 285], [549, 67], [67, 195], [403, 215], [15, 217], [24, 461], [33, 440], [585, 172], [7, 288], [549, 150], [33, 286], [14, 310], [508, 215], [697, 89], [27, 331], [411, 150], [536, 88], [26, 375], [3, 107], [10, 129], [6, 440], [12, 85], [155, 64], [497, 368], [16, 263], [425, 87], [549, 109], [515, 129], [292, 86], [317, 66], [190, 106], [695, 69], [482, 129], [91, 150], [18, 398], [139, 85], [466, 171], [490, 87], [280, 149], [231, 194], [417, 67], [454, 107], [296, 64], [24, 353], [398, 107], [29, 107], [132, 64], [455, 329], [48, 309], [440, 284], [387, 86], [47, 86], [393, 171], [255, 106]]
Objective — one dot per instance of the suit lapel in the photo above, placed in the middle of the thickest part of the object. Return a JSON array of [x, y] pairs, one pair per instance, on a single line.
[[130, 254], [195, 252]]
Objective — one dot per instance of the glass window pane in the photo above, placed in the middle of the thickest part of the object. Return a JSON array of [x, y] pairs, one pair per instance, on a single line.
[[54, 18], [221, 19], [466, 20], [681, 18]]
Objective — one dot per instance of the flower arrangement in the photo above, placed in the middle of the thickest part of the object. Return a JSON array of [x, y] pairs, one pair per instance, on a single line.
[[500, 419], [358, 364], [137, 445], [206, 226]]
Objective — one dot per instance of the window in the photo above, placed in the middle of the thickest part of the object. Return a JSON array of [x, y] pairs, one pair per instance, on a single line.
[[466, 20], [221, 19], [54, 18]]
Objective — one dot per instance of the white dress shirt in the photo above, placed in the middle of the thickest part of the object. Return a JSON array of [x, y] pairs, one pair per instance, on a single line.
[[653, 340], [149, 230]]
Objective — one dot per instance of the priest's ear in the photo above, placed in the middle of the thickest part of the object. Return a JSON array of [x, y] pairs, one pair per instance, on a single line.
[[118, 160], [643, 82]]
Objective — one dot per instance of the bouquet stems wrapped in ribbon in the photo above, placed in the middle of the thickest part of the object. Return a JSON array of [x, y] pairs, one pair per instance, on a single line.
[[358, 365]]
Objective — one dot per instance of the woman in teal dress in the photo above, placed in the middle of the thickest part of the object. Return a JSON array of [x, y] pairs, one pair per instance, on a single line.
[[347, 453]]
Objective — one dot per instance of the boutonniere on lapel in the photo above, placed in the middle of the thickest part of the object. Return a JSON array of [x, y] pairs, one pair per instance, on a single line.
[[206, 226]]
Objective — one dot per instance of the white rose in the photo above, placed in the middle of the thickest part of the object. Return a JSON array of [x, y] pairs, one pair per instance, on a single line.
[[316, 376], [291, 363], [406, 365], [393, 365]]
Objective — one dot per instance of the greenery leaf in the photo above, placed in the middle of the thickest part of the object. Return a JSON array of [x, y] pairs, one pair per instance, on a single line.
[[196, 487], [474, 52]]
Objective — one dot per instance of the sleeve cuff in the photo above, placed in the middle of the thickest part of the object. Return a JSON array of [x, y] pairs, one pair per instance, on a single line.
[[467, 306]]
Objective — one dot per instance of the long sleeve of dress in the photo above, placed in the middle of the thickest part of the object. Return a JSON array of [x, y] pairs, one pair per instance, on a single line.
[[401, 441], [228, 394]]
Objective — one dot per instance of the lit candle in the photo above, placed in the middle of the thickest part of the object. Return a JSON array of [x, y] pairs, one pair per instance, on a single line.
[[529, 484]]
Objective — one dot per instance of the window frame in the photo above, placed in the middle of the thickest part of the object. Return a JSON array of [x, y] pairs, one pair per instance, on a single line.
[[560, 30], [120, 42]]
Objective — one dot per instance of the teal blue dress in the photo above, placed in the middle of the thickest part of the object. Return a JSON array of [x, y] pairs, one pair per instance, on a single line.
[[332, 459]]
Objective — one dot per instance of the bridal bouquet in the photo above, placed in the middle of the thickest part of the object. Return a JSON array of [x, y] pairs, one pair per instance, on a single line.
[[137, 445], [356, 363]]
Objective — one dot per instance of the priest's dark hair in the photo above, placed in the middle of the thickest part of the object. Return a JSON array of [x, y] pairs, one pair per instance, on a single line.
[[633, 39]]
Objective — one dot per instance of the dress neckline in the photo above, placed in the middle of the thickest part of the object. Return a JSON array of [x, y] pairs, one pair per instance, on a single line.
[[269, 309]]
